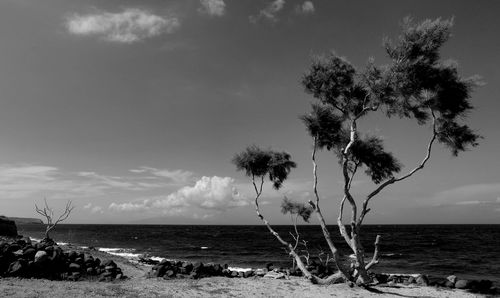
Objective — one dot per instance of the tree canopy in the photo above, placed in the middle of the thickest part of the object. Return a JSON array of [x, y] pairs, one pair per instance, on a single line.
[[415, 84], [257, 162]]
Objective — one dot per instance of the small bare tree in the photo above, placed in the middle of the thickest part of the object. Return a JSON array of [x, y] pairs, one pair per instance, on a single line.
[[48, 213]]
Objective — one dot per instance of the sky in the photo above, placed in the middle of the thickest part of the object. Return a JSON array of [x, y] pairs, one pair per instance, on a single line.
[[133, 110]]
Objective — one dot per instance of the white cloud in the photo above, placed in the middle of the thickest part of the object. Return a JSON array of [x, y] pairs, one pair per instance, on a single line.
[[305, 8], [93, 209], [207, 196], [269, 12], [130, 25], [176, 176], [213, 7], [38, 181], [469, 203]]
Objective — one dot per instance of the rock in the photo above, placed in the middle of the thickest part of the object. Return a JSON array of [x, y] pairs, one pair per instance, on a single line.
[[422, 280], [40, 257], [463, 284], [7, 227], [260, 272], [412, 280], [275, 275], [452, 278], [170, 274], [449, 284], [186, 268], [29, 252], [17, 268], [75, 276], [269, 266], [74, 267], [109, 265], [72, 255], [235, 274], [482, 286], [247, 274]]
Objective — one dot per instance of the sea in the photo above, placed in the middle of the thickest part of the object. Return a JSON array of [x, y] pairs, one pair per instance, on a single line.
[[468, 251]]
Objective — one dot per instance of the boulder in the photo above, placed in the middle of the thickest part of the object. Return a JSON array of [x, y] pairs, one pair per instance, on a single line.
[[74, 267], [29, 252], [7, 227], [422, 280], [17, 268], [452, 278], [463, 284], [40, 257]]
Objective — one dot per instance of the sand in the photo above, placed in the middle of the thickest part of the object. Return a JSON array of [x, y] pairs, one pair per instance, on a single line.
[[137, 285]]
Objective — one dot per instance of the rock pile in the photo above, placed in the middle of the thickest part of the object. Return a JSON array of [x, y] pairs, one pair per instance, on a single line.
[[475, 286], [46, 259], [171, 269]]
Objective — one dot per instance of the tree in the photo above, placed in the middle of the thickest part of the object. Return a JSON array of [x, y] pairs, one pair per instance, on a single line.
[[48, 213], [414, 85]]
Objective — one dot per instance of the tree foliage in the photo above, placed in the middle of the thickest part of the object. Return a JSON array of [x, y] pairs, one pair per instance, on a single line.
[[257, 162], [296, 208], [415, 85]]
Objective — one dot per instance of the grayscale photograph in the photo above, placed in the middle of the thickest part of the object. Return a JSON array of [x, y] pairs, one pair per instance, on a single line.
[[249, 148]]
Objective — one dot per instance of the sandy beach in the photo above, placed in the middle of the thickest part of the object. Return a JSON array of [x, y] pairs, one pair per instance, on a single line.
[[137, 285]]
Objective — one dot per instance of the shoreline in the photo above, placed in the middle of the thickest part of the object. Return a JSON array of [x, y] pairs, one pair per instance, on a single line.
[[138, 285]]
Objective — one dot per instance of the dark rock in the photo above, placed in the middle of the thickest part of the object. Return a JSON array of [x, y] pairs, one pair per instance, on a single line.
[[269, 266], [463, 284], [449, 284], [437, 281], [170, 273], [29, 252], [234, 274], [72, 255], [411, 280], [198, 267], [248, 273], [75, 276], [7, 227], [109, 263], [74, 267], [482, 286], [422, 280], [17, 268]]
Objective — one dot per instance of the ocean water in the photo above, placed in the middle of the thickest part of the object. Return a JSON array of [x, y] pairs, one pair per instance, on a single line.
[[468, 251]]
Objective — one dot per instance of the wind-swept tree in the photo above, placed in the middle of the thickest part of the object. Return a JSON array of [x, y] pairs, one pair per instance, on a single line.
[[416, 85]]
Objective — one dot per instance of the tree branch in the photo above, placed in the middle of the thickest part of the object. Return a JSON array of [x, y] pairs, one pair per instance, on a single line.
[[365, 209], [375, 258]]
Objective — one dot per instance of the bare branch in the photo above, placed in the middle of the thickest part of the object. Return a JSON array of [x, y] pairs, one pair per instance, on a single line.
[[375, 258], [365, 209]]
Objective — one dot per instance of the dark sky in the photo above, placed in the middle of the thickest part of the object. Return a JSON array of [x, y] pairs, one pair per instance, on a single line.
[[134, 109]]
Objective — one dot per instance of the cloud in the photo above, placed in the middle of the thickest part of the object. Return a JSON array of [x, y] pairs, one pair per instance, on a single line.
[[176, 176], [305, 8], [93, 209], [213, 7], [269, 12], [209, 195], [468, 194], [130, 25], [23, 181]]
